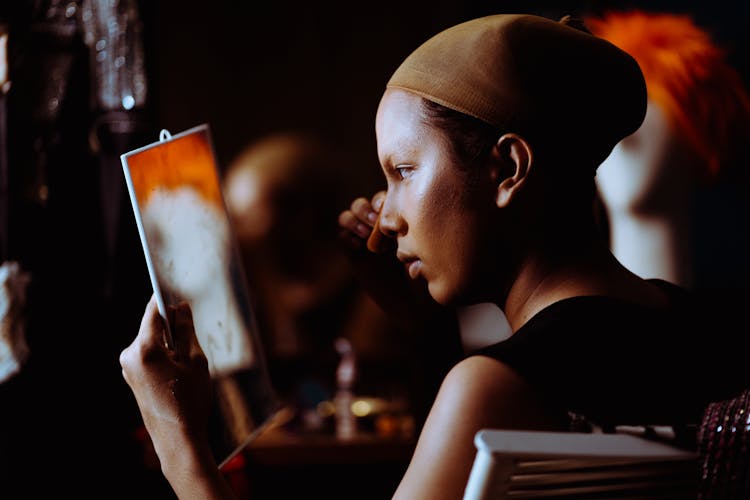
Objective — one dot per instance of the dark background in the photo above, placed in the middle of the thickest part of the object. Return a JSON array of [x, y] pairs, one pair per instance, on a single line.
[[247, 69]]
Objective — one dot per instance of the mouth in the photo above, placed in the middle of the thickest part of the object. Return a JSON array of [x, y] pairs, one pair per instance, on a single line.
[[412, 264], [413, 267]]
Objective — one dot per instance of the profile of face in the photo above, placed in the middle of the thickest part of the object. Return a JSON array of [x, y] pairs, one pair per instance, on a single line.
[[437, 211], [647, 169]]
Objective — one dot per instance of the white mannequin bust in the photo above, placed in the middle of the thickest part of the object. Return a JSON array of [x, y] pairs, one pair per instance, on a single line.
[[646, 187]]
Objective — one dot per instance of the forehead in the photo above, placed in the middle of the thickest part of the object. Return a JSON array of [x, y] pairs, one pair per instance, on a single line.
[[399, 123]]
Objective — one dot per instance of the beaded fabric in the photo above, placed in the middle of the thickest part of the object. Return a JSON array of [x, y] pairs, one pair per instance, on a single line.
[[724, 449]]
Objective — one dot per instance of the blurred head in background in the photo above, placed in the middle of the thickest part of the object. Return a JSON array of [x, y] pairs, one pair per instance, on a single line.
[[283, 193]]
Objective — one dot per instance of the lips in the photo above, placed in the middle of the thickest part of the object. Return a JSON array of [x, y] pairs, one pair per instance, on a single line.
[[412, 264]]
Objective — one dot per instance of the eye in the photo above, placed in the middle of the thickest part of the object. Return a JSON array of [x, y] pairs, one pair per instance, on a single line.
[[404, 171]]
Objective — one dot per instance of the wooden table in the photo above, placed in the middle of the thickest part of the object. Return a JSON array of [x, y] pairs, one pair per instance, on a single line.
[[280, 464]]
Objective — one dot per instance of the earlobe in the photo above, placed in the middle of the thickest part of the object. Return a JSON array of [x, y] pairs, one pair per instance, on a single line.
[[514, 157]]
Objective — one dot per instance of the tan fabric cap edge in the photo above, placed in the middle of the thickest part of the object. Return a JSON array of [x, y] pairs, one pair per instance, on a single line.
[[534, 75]]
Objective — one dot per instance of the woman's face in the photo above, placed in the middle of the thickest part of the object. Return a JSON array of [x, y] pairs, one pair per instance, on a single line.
[[438, 211]]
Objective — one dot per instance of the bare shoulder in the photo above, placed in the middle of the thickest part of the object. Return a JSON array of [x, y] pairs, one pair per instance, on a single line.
[[482, 374], [479, 392], [487, 392]]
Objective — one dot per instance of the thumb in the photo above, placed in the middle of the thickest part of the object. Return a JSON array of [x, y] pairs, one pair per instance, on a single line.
[[151, 331], [185, 340]]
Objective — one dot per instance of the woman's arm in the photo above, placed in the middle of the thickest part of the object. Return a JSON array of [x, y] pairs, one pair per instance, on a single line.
[[478, 393], [172, 389]]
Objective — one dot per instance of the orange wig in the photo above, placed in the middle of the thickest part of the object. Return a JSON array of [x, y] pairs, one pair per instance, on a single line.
[[686, 74]]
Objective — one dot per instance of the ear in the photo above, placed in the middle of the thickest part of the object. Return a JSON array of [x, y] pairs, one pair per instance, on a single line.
[[513, 158]]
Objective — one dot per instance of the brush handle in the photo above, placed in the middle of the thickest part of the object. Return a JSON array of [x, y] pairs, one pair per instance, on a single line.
[[378, 242]]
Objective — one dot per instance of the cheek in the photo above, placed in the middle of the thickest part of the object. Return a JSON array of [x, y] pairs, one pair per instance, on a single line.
[[437, 216], [451, 267], [451, 244]]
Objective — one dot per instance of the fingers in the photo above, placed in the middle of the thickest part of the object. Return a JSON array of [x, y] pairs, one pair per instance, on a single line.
[[152, 327], [365, 212], [350, 222], [361, 222], [377, 201], [360, 217], [378, 242], [186, 343], [356, 223], [150, 339]]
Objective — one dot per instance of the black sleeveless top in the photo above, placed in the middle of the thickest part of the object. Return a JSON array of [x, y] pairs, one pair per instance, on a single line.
[[618, 363]]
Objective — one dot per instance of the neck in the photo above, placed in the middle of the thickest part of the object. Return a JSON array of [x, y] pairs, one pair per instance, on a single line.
[[584, 267], [548, 267]]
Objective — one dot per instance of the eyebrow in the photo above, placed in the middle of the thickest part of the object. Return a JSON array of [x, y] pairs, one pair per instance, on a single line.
[[399, 150]]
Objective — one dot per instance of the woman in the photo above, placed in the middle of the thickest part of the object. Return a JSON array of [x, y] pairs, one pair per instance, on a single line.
[[489, 135]]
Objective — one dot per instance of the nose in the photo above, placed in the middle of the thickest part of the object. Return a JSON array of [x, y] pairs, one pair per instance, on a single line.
[[391, 223]]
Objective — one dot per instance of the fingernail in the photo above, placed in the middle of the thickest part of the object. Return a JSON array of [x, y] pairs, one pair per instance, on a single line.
[[363, 230], [372, 216]]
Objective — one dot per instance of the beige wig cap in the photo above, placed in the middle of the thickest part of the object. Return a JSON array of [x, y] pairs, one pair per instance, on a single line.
[[533, 76]]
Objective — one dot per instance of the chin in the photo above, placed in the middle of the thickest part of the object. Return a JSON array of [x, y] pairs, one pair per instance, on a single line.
[[458, 294], [436, 292], [443, 295]]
